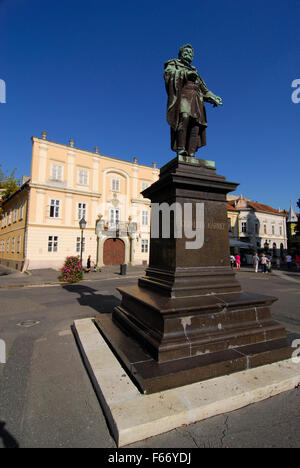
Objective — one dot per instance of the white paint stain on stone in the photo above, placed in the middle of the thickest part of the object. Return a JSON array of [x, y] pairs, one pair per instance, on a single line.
[[184, 322]]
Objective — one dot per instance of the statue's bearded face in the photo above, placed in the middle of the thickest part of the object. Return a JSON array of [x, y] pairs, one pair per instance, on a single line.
[[187, 54]]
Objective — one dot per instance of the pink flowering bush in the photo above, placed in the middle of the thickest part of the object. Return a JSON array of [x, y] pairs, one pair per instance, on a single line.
[[71, 272]]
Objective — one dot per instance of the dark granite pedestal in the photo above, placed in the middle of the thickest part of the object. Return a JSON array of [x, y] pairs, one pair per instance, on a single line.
[[187, 320]]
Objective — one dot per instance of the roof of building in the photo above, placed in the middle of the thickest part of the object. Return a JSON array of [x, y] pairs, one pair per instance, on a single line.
[[292, 217], [230, 206], [233, 205]]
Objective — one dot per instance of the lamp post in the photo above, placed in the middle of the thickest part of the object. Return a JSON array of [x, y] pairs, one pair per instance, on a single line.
[[82, 224]]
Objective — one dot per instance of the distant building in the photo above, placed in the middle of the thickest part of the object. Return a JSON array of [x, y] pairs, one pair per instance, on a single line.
[[292, 234], [255, 227], [13, 228]]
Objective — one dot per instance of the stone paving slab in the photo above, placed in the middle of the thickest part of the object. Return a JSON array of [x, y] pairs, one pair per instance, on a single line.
[[133, 416]]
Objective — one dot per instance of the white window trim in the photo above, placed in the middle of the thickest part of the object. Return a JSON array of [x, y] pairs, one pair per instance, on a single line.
[[79, 170], [115, 181], [52, 244], [145, 246], [21, 210], [78, 244], [145, 217], [112, 220], [19, 244], [15, 215], [86, 210], [59, 208], [61, 178]]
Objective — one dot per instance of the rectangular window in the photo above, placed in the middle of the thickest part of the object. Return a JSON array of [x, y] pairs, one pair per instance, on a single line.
[[15, 213], [280, 230], [265, 229], [273, 230], [81, 211], [114, 217], [144, 245], [115, 185], [54, 208], [244, 227], [7, 245], [9, 217], [78, 244], [13, 245], [52, 243], [19, 244], [21, 210], [145, 218], [56, 172], [83, 177]]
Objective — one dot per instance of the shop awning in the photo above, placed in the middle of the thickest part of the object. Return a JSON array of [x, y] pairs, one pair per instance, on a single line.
[[241, 245]]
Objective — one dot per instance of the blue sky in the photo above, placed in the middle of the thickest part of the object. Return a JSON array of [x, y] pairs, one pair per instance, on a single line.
[[92, 70]]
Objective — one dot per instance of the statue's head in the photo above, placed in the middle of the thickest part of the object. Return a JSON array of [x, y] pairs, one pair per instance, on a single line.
[[186, 52]]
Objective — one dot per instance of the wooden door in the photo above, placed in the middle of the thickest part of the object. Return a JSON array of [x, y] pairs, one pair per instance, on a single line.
[[113, 252]]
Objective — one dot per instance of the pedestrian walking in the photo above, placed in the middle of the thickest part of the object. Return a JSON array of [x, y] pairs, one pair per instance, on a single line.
[[238, 262], [263, 263], [288, 260], [232, 261], [278, 263], [88, 264], [255, 261]]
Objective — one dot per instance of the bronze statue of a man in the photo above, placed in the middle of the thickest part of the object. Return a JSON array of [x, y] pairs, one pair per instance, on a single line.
[[187, 93]]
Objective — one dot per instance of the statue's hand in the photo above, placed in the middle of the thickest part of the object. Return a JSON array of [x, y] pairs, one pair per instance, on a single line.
[[218, 101]]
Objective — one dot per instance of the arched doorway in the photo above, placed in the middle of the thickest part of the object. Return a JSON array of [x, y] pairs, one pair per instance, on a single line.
[[113, 252]]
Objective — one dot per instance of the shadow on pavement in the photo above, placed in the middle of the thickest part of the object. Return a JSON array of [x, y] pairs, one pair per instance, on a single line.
[[8, 440], [103, 304]]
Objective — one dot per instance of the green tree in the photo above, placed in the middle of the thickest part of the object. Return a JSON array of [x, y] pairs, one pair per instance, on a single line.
[[9, 183]]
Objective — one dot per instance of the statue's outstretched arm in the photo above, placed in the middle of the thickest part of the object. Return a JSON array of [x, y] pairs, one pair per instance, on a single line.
[[209, 96]]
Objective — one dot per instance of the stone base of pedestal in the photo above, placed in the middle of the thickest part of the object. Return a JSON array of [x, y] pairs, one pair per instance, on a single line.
[[133, 416], [223, 339]]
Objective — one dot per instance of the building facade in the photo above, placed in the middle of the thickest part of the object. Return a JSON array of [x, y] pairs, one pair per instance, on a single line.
[[68, 184], [258, 227], [292, 234], [13, 238]]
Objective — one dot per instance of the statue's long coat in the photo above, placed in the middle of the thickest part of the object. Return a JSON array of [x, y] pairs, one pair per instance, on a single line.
[[185, 96]]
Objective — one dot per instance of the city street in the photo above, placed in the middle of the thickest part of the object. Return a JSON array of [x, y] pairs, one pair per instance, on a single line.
[[47, 399]]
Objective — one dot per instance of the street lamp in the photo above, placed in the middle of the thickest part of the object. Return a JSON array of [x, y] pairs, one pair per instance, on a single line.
[[82, 225]]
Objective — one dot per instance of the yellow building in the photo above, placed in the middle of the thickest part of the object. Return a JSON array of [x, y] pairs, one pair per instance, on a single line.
[[13, 228], [68, 184]]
